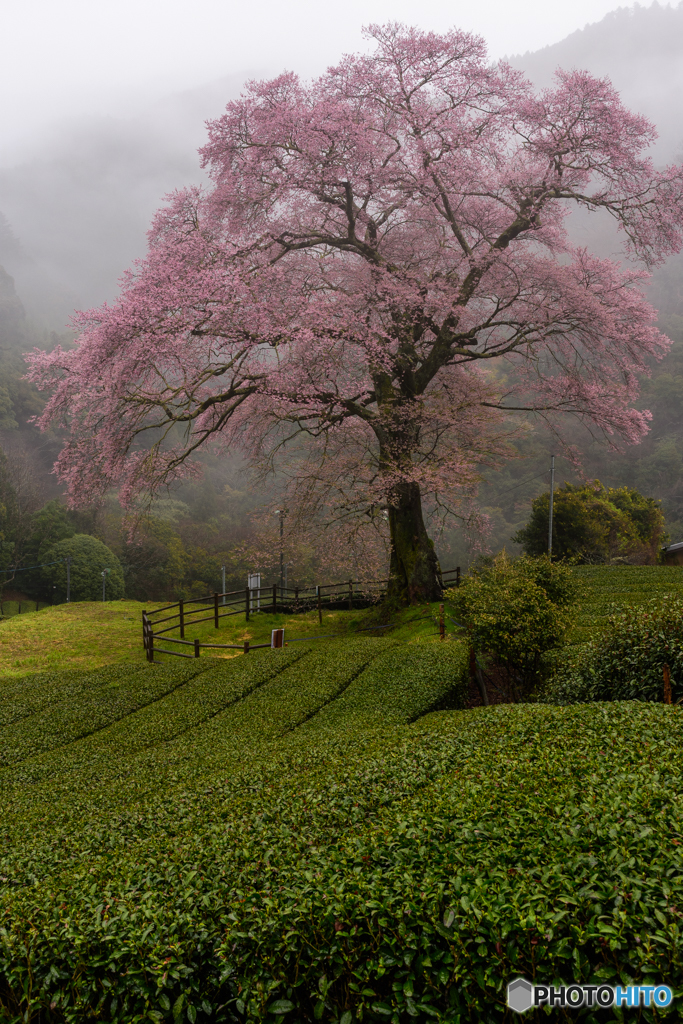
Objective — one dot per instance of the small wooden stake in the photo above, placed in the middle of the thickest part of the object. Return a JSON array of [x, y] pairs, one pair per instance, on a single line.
[[246, 647], [667, 684], [477, 675]]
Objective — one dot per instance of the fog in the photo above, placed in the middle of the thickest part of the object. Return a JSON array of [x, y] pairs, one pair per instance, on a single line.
[[108, 104]]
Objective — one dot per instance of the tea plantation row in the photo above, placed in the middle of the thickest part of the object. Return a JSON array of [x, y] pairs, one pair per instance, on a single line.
[[311, 834]]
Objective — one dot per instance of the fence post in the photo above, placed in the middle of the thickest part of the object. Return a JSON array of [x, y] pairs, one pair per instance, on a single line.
[[320, 607], [215, 610], [181, 616], [196, 648], [247, 596], [246, 647], [147, 637], [350, 595], [296, 599], [667, 684], [442, 624], [457, 575], [274, 598], [144, 634]]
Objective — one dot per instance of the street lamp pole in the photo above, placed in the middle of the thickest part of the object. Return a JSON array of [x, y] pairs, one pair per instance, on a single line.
[[281, 513], [550, 511]]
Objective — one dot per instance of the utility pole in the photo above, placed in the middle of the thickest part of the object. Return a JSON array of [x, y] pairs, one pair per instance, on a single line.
[[550, 516], [280, 512], [68, 578], [223, 571]]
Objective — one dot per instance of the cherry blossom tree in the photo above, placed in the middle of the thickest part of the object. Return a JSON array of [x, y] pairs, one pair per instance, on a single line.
[[377, 278]]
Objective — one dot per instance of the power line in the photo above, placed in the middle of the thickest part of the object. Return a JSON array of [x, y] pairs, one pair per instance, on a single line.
[[522, 482], [26, 568]]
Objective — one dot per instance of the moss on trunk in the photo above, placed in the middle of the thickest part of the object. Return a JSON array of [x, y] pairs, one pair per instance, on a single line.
[[415, 572]]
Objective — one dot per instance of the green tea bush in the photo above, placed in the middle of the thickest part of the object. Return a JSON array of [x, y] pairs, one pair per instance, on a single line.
[[405, 874], [517, 612], [402, 683], [625, 661]]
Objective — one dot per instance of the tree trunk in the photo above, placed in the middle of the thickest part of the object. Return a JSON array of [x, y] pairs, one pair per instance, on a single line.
[[415, 572]]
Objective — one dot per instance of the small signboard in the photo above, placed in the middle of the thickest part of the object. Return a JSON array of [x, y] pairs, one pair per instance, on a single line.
[[277, 638], [254, 584]]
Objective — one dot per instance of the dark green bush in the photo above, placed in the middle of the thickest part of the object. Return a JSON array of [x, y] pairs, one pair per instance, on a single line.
[[625, 661], [89, 557], [516, 610]]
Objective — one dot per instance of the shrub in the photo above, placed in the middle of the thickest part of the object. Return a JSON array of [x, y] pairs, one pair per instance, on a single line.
[[516, 611], [89, 557], [592, 524], [625, 661], [404, 874]]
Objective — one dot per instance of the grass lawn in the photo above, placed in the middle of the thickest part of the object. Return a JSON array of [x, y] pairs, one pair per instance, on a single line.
[[89, 635]]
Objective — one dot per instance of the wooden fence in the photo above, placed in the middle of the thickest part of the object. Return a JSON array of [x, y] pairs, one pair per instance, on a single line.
[[185, 614]]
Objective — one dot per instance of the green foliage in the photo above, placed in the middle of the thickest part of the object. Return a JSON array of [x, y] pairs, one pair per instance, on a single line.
[[605, 588], [593, 524], [516, 611], [89, 558], [203, 857], [625, 661], [51, 524]]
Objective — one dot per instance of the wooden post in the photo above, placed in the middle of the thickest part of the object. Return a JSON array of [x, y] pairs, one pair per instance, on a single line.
[[147, 637], [476, 675], [296, 598], [215, 610], [144, 635], [667, 684], [247, 597], [246, 647], [181, 616], [274, 598], [350, 595], [442, 624], [457, 575], [320, 607], [196, 648]]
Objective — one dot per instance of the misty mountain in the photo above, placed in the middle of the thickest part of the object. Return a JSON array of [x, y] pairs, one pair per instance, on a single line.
[[640, 49], [77, 211]]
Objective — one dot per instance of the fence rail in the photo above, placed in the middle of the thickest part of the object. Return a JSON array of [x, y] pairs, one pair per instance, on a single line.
[[352, 593]]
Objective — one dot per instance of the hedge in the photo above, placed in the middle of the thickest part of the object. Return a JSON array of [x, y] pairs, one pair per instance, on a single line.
[[258, 866]]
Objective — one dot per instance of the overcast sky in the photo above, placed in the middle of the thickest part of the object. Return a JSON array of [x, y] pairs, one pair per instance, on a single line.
[[65, 58]]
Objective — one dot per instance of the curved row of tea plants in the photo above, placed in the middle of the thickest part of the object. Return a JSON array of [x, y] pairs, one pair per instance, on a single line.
[[401, 873]]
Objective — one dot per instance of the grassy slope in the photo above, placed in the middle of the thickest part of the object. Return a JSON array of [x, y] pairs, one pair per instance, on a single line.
[[91, 634]]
